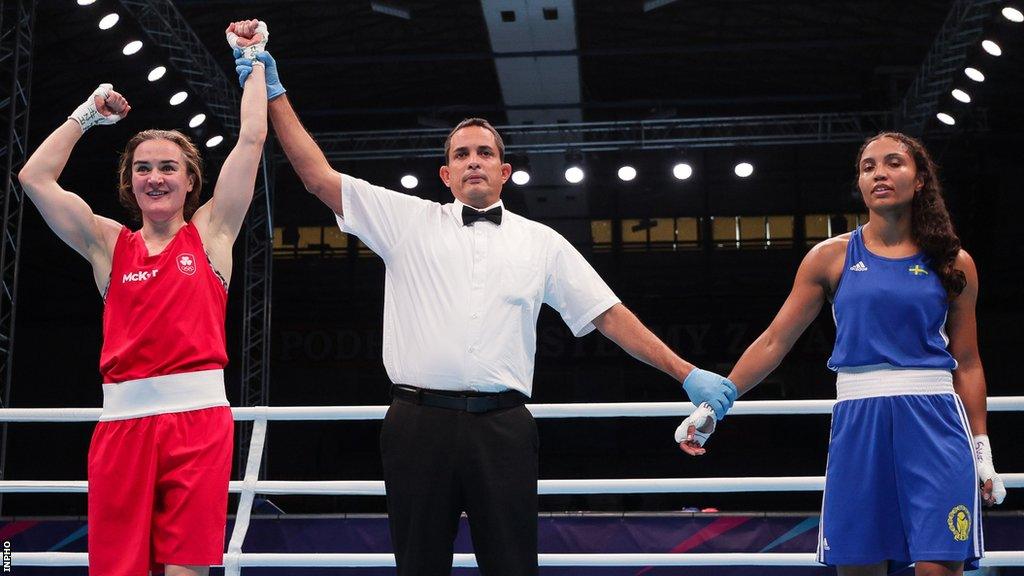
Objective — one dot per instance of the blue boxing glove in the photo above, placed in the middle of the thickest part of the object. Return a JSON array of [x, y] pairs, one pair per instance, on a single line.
[[703, 386], [243, 67]]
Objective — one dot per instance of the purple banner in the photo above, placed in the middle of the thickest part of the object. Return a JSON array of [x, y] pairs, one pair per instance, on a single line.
[[563, 533]]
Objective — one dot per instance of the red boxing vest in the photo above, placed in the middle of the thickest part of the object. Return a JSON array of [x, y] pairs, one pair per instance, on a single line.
[[164, 314]]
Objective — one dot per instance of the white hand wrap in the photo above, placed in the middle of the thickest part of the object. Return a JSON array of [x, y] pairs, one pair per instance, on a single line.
[[986, 470], [703, 420], [88, 116], [250, 52]]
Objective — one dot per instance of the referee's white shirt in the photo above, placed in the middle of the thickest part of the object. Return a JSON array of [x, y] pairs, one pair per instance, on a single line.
[[461, 302]]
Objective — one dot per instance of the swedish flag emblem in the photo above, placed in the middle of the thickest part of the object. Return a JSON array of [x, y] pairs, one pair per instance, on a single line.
[[916, 270], [959, 523]]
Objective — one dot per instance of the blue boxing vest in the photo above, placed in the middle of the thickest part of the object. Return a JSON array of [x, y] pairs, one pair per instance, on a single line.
[[889, 311]]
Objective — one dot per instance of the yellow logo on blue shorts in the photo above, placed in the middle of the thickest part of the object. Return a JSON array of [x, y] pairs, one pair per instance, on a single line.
[[959, 522]]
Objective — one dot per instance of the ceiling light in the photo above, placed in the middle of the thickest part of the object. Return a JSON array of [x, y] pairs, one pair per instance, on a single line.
[[744, 169], [574, 175], [132, 47], [945, 119], [214, 141], [156, 73], [87, 2], [108, 21], [179, 98], [974, 74], [627, 173], [682, 171], [961, 95], [197, 120], [409, 181], [520, 177], [1010, 13], [991, 47]]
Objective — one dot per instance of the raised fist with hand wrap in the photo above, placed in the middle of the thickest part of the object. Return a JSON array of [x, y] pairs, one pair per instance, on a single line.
[[103, 106]]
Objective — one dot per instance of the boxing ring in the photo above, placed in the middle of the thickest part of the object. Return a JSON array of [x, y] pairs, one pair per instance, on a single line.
[[235, 559]]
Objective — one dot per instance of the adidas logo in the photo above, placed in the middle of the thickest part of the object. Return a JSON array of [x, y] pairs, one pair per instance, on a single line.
[[859, 267]]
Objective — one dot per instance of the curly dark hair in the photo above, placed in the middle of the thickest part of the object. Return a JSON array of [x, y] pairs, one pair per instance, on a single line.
[[930, 224], [193, 165]]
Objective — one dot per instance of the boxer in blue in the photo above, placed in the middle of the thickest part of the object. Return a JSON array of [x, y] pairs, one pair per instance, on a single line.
[[904, 471]]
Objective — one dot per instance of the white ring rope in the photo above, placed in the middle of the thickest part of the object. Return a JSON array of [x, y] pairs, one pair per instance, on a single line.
[[235, 560], [998, 558], [544, 488], [581, 410]]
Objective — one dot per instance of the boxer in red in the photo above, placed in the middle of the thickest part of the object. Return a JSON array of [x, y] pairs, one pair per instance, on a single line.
[[160, 457]]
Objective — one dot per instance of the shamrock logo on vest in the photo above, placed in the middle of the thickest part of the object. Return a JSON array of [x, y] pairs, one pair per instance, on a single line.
[[187, 264]]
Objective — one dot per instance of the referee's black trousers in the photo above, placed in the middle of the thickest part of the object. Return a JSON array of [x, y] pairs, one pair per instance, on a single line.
[[439, 462]]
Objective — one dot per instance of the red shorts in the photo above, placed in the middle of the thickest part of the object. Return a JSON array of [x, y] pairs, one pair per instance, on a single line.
[[158, 491]]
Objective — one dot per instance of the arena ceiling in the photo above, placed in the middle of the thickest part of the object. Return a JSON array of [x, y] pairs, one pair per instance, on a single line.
[[348, 66], [425, 64]]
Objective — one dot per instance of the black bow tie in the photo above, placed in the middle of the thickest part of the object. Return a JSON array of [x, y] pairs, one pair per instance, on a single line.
[[470, 215]]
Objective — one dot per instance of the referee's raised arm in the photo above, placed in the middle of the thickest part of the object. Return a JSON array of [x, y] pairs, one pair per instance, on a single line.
[[304, 154]]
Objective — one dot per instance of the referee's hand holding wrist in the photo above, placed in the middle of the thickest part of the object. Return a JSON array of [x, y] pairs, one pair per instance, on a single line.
[[717, 391]]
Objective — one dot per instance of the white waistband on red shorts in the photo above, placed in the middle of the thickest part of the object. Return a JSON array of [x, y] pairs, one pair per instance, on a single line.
[[885, 380], [163, 395]]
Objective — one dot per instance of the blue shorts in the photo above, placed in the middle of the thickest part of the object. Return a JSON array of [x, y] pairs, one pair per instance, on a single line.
[[900, 484]]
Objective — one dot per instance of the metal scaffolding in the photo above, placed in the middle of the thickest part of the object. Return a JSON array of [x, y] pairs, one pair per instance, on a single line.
[[946, 58], [605, 136], [259, 253], [17, 19], [166, 28]]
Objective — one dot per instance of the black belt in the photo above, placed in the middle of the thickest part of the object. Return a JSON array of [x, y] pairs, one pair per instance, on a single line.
[[474, 402]]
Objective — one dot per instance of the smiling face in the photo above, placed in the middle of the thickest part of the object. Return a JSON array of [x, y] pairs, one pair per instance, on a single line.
[[160, 179], [887, 175], [143, 160], [474, 171]]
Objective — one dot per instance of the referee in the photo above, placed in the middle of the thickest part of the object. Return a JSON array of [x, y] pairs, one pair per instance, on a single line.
[[465, 282]]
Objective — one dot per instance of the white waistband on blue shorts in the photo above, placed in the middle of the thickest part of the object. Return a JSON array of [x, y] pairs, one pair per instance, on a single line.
[[885, 380], [163, 395]]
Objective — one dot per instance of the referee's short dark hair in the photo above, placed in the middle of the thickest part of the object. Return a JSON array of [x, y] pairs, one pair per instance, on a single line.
[[474, 122]]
